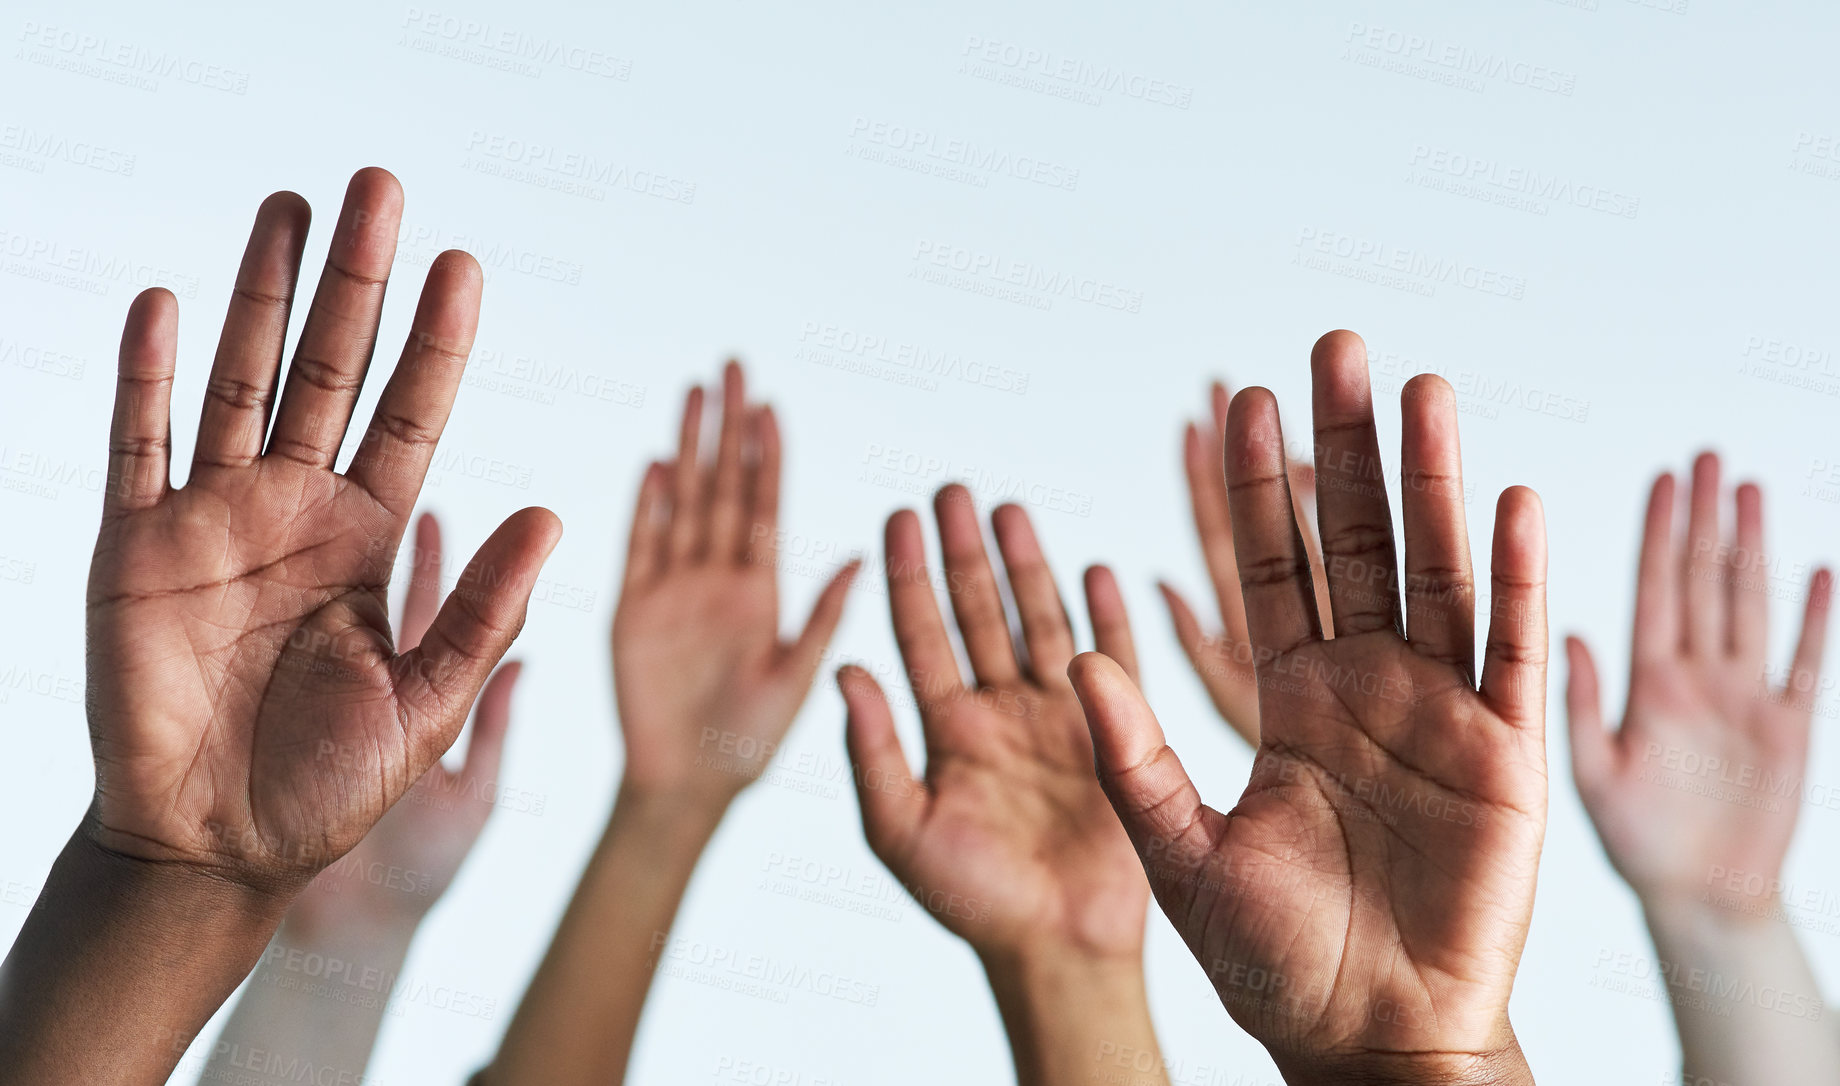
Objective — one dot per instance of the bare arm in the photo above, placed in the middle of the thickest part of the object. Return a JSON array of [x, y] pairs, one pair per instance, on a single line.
[[706, 690]]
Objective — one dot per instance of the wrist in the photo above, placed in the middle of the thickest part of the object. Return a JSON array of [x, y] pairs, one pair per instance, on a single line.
[[671, 819], [1074, 1016], [1505, 1065], [1713, 914], [173, 888], [322, 929], [1050, 966]]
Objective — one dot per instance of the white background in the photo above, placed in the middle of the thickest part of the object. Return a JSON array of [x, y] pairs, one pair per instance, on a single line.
[[1624, 354]]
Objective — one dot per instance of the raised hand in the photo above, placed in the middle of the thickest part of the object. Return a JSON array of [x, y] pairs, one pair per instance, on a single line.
[[410, 857], [250, 715], [1362, 909], [1224, 661], [1695, 796], [249, 710], [706, 685], [1706, 770], [707, 689], [1007, 840]]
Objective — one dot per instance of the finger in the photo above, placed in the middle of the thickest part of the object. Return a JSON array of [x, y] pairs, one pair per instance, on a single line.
[[1356, 522], [1514, 660], [1303, 504], [438, 679], [1702, 595], [1144, 780], [1804, 680], [1274, 570], [1187, 626], [423, 598], [1235, 696], [1110, 624], [1593, 754], [727, 539], [491, 719], [241, 390], [763, 489], [976, 602], [1657, 623], [1440, 586], [1047, 632], [1747, 581], [341, 329], [919, 631], [807, 652], [647, 548], [688, 526], [393, 457], [140, 433], [1207, 494], [893, 802]]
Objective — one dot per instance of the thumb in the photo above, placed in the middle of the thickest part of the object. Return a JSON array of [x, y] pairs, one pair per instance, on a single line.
[[1593, 754], [1150, 791]]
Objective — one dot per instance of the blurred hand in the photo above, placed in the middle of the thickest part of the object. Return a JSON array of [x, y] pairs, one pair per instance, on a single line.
[[1362, 910], [1705, 773], [410, 857], [1008, 840], [249, 713], [705, 685], [1224, 661]]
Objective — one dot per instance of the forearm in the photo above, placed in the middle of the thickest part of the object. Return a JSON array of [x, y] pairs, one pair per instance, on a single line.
[[317, 999], [1076, 1020], [118, 966], [578, 1018], [1745, 1001]]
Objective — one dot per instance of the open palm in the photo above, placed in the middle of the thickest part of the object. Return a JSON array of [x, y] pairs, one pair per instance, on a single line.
[[1366, 901], [248, 710], [1705, 773], [1008, 839], [707, 688]]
